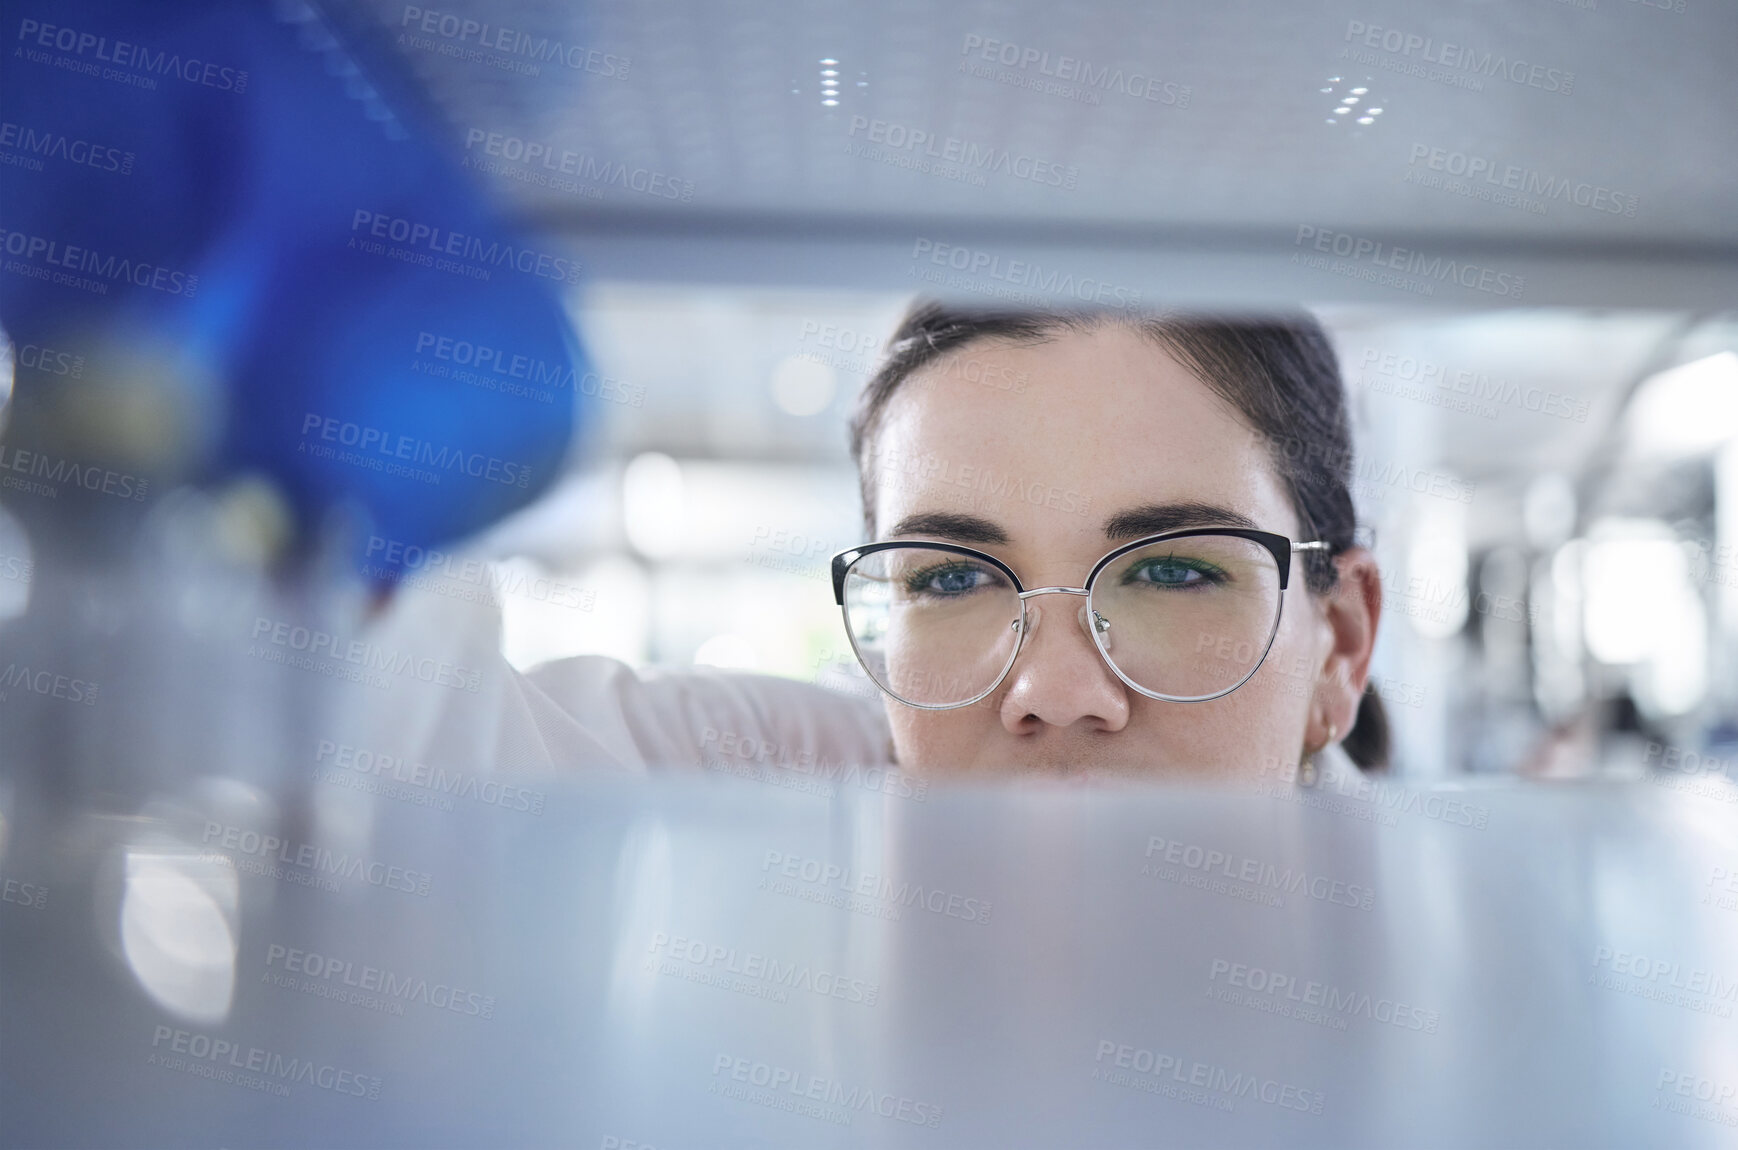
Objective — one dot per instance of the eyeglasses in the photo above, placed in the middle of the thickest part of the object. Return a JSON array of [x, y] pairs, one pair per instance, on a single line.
[[1185, 616]]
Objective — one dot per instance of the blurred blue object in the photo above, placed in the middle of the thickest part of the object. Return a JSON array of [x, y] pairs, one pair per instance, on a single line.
[[344, 312]]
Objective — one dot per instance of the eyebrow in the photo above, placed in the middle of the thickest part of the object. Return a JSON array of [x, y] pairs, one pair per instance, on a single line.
[[1147, 519], [1154, 518], [950, 525]]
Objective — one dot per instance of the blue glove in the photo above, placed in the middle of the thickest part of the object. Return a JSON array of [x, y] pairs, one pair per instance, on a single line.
[[222, 189]]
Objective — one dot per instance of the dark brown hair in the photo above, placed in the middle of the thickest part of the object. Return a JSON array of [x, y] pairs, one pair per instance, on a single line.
[[1279, 373]]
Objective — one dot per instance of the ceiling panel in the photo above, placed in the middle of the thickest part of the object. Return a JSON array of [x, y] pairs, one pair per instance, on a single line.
[[1184, 151]]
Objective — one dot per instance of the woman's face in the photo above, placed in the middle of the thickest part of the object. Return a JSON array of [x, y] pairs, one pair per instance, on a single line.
[[1047, 456]]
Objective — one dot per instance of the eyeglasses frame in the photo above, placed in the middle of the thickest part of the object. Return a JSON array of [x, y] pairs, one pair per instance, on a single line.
[[1279, 546]]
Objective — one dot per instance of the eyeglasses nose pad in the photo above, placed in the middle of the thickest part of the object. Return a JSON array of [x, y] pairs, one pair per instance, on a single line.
[[1100, 627]]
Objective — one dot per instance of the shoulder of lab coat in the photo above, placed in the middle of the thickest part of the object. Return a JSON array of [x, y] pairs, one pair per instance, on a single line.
[[588, 713], [697, 717]]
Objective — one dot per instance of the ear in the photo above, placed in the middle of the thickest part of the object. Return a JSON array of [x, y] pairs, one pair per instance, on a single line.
[[1351, 613]]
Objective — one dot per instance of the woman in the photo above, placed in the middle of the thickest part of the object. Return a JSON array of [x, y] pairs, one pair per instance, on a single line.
[[1200, 465], [1086, 435]]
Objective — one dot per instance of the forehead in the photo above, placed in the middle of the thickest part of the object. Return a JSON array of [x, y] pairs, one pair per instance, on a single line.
[[1051, 440]]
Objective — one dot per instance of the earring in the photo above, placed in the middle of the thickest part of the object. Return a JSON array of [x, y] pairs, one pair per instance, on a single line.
[[1306, 774]]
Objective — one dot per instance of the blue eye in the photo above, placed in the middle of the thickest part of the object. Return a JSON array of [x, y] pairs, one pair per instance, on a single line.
[[1174, 571], [947, 580], [1169, 574]]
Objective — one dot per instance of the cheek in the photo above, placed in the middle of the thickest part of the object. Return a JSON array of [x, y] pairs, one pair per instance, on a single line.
[[1258, 726], [1295, 658], [1247, 732], [1282, 692], [1278, 704], [1287, 675], [939, 740]]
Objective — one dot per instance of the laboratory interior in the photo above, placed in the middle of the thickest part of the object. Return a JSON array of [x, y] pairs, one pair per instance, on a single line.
[[657, 574]]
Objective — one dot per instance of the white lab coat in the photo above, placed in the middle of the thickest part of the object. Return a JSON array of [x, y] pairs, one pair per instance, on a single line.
[[588, 713]]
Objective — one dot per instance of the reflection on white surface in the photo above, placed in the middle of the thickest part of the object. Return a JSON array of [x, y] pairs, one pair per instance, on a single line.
[[176, 933], [644, 889]]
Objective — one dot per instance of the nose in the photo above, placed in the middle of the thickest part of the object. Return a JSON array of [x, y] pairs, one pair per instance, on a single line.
[[1060, 679]]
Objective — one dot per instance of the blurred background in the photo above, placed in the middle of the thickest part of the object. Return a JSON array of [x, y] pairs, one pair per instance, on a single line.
[[1515, 221]]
